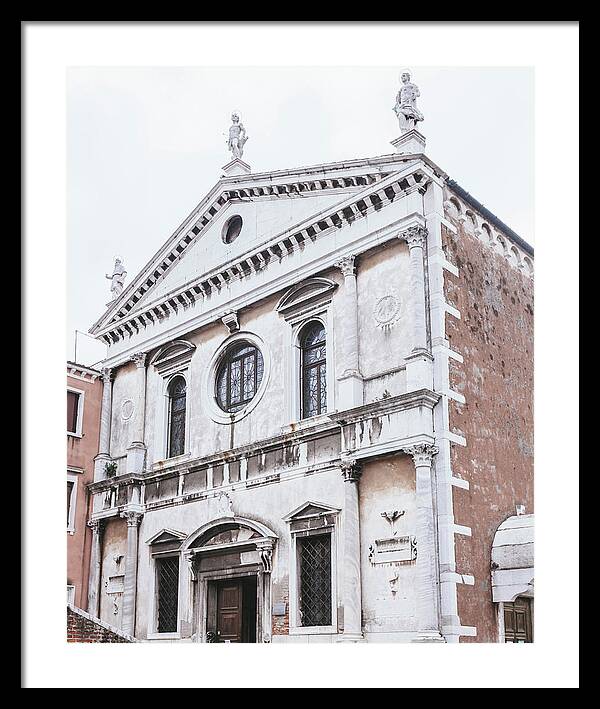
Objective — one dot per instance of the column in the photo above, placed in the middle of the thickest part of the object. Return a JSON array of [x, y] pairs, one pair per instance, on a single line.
[[351, 472], [418, 363], [427, 594], [136, 452], [350, 381], [103, 456], [130, 581], [96, 525]]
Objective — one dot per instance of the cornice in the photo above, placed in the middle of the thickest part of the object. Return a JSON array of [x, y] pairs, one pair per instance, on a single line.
[[382, 407]]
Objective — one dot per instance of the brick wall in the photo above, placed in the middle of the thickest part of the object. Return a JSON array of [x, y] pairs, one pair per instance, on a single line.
[[495, 337], [82, 628]]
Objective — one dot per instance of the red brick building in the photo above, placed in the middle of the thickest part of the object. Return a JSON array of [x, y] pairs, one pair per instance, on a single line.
[[84, 391]]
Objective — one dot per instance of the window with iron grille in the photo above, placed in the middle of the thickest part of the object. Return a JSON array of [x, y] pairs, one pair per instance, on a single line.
[[239, 376], [314, 370], [314, 562], [167, 579], [177, 404]]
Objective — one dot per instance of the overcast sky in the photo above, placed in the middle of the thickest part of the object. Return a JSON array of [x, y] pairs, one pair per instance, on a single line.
[[146, 144]]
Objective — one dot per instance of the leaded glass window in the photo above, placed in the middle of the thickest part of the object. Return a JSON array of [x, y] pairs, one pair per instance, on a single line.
[[314, 370], [239, 376], [177, 397], [167, 577], [314, 561]]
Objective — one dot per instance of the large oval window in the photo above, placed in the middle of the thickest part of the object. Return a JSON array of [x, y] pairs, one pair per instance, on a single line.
[[238, 376], [232, 228]]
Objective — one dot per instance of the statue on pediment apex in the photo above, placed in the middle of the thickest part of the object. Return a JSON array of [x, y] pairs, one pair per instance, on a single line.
[[117, 278]]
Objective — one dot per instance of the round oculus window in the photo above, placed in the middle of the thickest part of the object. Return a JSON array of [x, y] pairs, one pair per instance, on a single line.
[[239, 376], [232, 228]]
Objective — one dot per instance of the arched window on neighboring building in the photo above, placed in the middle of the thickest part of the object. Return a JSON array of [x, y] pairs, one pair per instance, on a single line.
[[176, 431], [313, 374]]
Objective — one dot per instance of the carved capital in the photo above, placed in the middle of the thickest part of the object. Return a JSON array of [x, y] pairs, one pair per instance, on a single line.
[[414, 236], [139, 358], [96, 525], [265, 551], [346, 265], [351, 470], [107, 373], [133, 518], [190, 557], [422, 453]]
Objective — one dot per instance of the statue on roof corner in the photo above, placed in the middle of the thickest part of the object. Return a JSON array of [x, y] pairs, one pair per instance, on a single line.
[[117, 278], [406, 104], [237, 136]]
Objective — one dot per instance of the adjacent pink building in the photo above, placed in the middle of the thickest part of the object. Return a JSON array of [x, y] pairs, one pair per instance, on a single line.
[[84, 392]]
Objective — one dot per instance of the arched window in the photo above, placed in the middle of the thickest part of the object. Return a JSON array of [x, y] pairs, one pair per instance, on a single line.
[[176, 393], [313, 367], [238, 377]]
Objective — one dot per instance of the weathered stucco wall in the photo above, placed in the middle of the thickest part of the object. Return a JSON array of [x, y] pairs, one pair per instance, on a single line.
[[389, 600], [114, 550], [495, 337]]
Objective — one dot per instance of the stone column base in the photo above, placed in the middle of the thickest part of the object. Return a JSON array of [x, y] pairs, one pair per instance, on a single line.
[[429, 636], [351, 638], [350, 390], [136, 457]]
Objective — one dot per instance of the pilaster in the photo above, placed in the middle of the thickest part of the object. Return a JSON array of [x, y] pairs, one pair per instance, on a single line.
[[350, 387], [130, 581], [352, 594]]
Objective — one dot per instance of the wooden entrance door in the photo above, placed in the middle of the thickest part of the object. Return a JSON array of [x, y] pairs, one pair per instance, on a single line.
[[518, 625], [229, 612]]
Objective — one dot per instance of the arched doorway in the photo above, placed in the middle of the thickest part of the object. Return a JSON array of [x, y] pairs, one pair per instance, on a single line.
[[230, 561]]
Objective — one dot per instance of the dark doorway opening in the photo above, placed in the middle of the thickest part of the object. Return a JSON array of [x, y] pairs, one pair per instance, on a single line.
[[235, 610]]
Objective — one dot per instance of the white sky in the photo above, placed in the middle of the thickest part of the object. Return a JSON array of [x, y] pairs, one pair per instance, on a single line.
[[146, 143]]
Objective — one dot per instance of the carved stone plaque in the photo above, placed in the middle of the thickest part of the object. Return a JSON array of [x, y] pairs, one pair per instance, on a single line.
[[393, 550]]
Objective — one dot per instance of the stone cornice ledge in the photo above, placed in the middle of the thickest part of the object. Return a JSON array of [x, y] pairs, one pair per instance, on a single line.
[[163, 470], [382, 407]]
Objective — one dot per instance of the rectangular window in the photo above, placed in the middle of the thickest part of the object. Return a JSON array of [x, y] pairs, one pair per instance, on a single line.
[[314, 566], [71, 499], [70, 595], [167, 579], [72, 412]]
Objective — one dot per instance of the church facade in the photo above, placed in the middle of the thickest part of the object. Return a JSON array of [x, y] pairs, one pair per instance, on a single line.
[[316, 413]]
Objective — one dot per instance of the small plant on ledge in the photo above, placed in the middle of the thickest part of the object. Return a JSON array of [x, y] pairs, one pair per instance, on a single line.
[[110, 469]]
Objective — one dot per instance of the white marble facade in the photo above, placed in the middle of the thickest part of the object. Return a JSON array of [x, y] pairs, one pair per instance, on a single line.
[[355, 246]]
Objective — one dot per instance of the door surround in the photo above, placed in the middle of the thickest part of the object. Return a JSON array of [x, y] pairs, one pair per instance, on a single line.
[[260, 547]]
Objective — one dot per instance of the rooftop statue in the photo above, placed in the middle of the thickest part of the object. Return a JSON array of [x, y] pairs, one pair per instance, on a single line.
[[406, 104], [237, 137], [117, 279]]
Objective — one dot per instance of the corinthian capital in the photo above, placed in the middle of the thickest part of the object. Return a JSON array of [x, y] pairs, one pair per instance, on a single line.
[[107, 373], [133, 518], [95, 525], [346, 265], [351, 470], [139, 358], [414, 236], [422, 453]]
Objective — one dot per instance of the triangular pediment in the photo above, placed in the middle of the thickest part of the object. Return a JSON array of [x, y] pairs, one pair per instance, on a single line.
[[311, 509], [279, 215], [165, 536]]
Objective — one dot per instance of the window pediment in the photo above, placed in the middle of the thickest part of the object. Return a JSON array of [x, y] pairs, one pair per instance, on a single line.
[[165, 536], [173, 356], [305, 297]]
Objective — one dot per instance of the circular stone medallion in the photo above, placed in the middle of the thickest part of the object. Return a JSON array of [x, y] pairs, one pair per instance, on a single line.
[[127, 409], [386, 310]]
